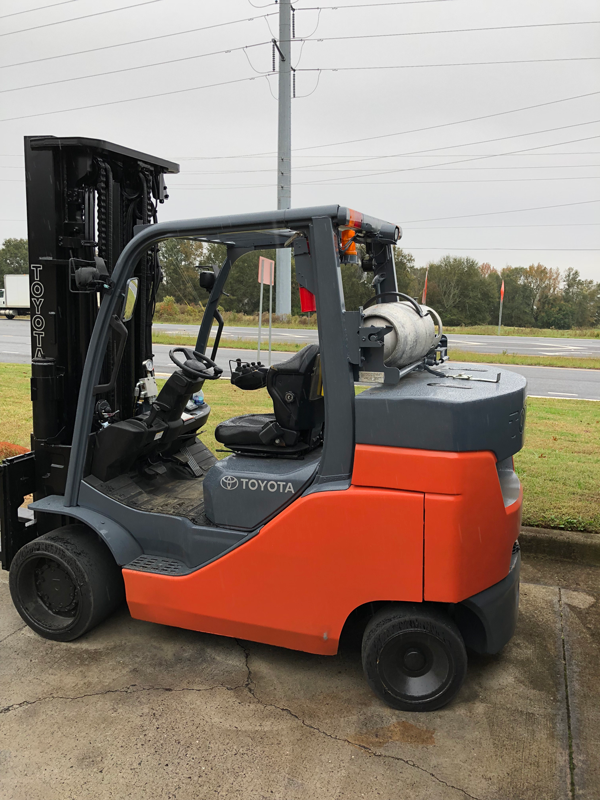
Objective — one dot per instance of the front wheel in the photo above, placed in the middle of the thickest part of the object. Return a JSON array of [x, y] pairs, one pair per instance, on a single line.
[[414, 657], [65, 582]]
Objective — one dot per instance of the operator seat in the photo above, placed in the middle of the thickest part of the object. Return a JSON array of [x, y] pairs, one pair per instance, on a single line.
[[297, 424]]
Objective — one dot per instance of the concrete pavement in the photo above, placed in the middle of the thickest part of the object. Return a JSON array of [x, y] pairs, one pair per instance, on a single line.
[[138, 710]]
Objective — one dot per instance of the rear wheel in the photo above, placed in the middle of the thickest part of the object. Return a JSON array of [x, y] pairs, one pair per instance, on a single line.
[[65, 583], [10, 316], [414, 657]]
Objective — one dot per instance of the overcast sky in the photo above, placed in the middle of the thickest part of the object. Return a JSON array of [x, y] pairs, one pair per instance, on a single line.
[[225, 137]]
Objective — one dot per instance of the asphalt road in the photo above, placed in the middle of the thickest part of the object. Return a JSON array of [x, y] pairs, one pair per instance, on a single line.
[[522, 345], [542, 381]]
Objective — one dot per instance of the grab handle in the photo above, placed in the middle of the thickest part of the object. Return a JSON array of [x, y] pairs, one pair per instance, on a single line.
[[121, 331], [437, 319]]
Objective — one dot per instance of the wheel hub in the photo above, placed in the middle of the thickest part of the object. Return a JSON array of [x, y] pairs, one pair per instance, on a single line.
[[414, 666], [55, 588], [414, 659]]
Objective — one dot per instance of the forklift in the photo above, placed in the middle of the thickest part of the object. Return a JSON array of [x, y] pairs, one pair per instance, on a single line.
[[393, 509]]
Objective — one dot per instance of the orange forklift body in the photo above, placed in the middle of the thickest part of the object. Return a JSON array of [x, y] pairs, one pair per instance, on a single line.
[[295, 583]]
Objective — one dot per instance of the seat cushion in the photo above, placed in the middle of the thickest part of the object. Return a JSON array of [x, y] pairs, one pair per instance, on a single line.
[[243, 430]]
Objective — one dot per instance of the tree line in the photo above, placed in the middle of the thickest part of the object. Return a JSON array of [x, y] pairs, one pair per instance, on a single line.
[[463, 291]]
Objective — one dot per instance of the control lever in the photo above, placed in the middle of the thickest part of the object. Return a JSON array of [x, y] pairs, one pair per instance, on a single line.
[[248, 375]]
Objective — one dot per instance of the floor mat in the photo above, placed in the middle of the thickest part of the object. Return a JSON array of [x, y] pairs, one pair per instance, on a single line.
[[174, 491]]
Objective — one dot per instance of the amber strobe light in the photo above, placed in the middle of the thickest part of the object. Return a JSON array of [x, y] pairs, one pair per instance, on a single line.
[[348, 253]]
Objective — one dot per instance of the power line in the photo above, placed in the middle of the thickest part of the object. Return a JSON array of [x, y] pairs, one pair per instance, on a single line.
[[259, 44], [325, 39], [358, 160], [316, 168], [400, 133], [508, 211], [463, 160], [371, 5], [39, 8], [474, 169], [523, 151], [454, 146], [514, 152], [130, 69], [453, 64], [447, 124], [130, 99], [175, 91], [452, 30], [85, 16], [137, 41], [398, 155], [384, 184]]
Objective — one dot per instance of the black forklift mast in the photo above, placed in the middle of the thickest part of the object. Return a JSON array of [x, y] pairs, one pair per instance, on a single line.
[[85, 199]]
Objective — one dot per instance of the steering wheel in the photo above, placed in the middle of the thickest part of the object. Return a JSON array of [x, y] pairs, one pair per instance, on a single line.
[[196, 365], [407, 297]]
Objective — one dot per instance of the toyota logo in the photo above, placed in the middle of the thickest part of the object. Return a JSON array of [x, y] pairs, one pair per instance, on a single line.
[[229, 482]]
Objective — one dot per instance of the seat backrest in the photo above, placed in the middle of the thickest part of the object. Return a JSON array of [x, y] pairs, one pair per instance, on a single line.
[[294, 386]]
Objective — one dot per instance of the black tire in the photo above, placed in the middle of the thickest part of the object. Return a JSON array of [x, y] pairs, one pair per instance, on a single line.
[[65, 583], [10, 316], [414, 657]]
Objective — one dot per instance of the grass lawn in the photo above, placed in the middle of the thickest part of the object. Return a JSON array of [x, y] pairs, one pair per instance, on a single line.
[[525, 361], [15, 405], [231, 318], [559, 465]]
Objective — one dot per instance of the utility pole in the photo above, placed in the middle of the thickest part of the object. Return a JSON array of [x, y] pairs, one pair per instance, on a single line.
[[284, 154]]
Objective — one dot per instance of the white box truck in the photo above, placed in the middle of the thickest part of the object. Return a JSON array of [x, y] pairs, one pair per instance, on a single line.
[[14, 298]]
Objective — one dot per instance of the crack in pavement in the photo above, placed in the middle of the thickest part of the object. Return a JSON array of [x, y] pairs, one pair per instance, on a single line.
[[567, 699], [131, 689], [12, 634], [250, 687]]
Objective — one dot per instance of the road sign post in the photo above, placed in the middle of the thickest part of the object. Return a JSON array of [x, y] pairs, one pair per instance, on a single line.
[[270, 319], [266, 274]]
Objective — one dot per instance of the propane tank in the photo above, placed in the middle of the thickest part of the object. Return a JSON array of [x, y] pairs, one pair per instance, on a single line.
[[412, 335]]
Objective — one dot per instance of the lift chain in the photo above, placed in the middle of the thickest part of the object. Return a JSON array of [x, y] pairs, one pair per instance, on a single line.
[[105, 212]]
